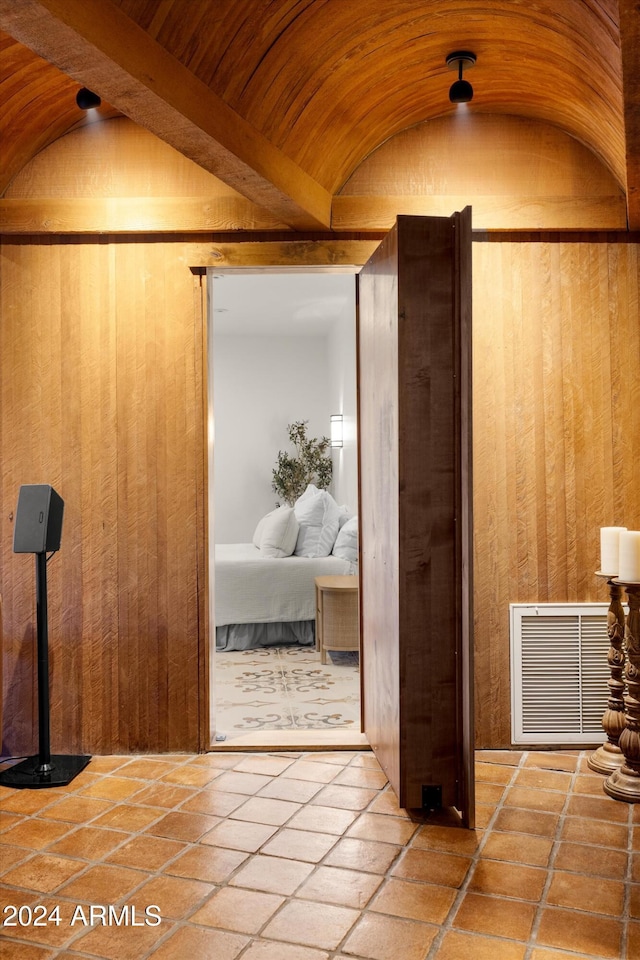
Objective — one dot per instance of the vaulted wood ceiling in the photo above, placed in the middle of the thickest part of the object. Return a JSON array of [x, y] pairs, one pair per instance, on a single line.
[[282, 99]]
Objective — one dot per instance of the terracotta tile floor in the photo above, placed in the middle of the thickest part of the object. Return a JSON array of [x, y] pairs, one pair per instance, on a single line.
[[294, 856]]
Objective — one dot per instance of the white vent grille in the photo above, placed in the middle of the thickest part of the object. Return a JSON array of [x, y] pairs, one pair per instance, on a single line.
[[559, 672]]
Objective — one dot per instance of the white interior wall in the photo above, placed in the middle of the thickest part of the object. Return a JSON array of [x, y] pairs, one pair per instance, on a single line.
[[260, 385], [282, 348], [342, 384]]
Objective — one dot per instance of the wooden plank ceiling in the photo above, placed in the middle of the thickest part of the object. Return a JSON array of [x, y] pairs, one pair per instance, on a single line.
[[283, 99]]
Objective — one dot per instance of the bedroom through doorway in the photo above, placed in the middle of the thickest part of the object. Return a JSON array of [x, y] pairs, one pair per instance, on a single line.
[[282, 350]]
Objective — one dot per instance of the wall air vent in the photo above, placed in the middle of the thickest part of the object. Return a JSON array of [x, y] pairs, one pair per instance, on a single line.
[[559, 673]]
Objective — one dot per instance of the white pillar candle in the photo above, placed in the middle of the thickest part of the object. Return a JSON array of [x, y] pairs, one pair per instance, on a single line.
[[629, 566], [610, 550]]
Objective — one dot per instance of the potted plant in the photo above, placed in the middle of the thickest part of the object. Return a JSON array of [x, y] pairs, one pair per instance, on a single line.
[[309, 464]]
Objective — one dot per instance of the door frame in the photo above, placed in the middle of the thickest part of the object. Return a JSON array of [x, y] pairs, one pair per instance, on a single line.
[[284, 255], [249, 258]]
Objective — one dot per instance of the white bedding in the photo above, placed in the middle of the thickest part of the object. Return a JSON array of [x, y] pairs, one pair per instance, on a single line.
[[252, 588]]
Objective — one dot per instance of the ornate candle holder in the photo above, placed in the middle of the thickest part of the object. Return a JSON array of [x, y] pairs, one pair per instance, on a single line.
[[624, 783], [608, 757]]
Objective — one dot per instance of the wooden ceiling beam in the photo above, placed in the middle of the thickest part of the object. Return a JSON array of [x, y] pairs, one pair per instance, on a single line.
[[630, 46], [93, 42]]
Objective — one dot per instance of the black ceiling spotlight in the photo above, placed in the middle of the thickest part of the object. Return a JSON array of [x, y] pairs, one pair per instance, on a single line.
[[461, 90], [86, 99]]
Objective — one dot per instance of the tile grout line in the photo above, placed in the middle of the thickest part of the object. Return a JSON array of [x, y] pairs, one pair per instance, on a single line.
[[531, 943], [542, 902], [447, 923], [142, 832], [353, 760], [131, 835], [384, 878], [287, 898], [628, 880], [331, 952], [185, 921], [75, 826]]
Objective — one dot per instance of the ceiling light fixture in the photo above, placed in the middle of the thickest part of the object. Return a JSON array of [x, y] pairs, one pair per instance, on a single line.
[[461, 90], [87, 99]]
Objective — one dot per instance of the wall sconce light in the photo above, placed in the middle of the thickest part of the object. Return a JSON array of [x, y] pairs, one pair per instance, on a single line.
[[87, 99], [461, 90], [336, 429]]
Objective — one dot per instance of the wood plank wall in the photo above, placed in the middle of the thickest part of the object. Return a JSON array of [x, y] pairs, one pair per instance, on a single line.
[[101, 395], [100, 363], [101, 347], [101, 392], [556, 330]]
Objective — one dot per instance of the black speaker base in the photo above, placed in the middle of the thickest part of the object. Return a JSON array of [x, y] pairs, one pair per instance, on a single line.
[[31, 773]]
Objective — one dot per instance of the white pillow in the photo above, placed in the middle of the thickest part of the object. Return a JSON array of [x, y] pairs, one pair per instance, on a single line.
[[311, 491], [346, 545], [257, 533], [318, 516], [278, 532], [345, 514]]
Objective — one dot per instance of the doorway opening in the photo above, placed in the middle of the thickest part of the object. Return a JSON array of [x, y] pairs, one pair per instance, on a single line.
[[281, 350]]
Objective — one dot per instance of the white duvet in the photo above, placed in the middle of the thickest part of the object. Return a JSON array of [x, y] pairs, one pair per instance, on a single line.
[[252, 588]]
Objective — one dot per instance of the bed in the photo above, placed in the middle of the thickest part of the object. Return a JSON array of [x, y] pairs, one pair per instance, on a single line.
[[265, 590], [265, 601]]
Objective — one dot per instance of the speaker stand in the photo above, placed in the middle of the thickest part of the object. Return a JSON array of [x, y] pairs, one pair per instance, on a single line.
[[43, 770]]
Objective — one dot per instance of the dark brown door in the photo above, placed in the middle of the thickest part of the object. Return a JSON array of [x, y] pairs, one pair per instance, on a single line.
[[414, 360]]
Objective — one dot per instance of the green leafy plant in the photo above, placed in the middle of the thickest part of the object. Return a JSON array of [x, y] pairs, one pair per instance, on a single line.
[[310, 464]]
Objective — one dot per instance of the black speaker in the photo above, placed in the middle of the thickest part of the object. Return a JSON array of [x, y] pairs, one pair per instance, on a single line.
[[38, 519]]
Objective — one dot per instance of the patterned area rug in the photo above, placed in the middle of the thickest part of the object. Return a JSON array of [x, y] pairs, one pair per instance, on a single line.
[[286, 688]]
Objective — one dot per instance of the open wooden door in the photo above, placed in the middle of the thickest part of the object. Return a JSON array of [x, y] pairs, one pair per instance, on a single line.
[[414, 359]]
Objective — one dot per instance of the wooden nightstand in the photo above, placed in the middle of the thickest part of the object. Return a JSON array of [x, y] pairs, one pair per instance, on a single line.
[[337, 625]]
